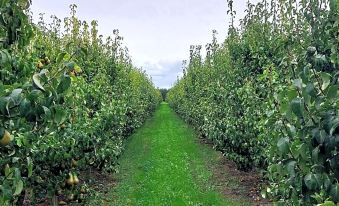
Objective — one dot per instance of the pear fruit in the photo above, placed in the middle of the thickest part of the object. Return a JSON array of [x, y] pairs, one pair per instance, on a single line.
[[6, 138]]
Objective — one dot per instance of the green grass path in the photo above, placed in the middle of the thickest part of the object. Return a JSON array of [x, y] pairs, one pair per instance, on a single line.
[[164, 165]]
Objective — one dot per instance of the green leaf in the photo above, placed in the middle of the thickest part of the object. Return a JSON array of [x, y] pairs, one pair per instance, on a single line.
[[18, 187], [292, 93], [25, 107], [326, 80], [15, 93], [34, 95], [59, 115], [70, 65], [333, 5], [312, 181], [84, 51], [303, 151], [64, 84], [311, 90], [61, 57], [291, 131], [283, 145], [334, 162], [327, 203], [333, 91], [5, 57], [16, 96], [37, 82], [47, 113], [291, 167], [311, 50], [315, 154], [335, 192], [298, 83], [29, 166], [7, 171], [3, 104], [334, 125], [297, 107], [2, 131], [319, 61]]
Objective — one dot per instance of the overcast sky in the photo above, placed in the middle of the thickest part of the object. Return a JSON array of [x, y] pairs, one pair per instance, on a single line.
[[158, 33]]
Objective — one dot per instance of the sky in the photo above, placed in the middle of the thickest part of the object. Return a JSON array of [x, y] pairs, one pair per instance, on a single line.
[[158, 33]]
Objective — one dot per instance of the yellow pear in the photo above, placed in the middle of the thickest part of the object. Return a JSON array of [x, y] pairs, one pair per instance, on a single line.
[[75, 179], [6, 138], [39, 65], [70, 180]]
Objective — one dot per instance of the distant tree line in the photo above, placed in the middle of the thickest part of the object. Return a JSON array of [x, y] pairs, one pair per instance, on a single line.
[[163, 93]]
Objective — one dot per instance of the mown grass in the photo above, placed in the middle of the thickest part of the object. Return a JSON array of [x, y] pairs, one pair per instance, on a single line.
[[164, 165]]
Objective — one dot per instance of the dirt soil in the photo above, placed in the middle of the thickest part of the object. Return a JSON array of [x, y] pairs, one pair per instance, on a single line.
[[235, 183]]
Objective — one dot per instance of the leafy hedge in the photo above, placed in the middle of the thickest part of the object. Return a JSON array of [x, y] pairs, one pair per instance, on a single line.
[[67, 101], [268, 97]]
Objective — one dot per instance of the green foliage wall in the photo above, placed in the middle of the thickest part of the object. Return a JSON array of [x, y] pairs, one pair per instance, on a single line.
[[268, 97], [67, 101]]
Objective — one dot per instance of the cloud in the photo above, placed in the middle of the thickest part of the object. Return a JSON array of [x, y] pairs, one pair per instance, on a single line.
[[158, 33], [164, 72]]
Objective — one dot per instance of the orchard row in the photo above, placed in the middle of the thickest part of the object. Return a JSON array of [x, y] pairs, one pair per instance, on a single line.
[[68, 99], [268, 97]]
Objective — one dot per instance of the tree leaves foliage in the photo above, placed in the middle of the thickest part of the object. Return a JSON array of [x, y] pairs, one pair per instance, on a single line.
[[268, 97]]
